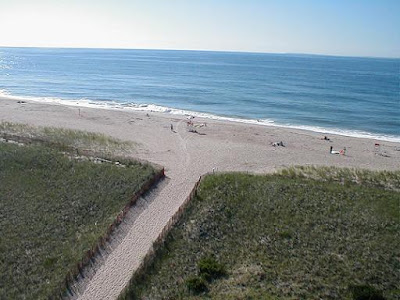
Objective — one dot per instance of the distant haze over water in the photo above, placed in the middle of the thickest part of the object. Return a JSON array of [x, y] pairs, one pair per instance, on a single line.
[[345, 95]]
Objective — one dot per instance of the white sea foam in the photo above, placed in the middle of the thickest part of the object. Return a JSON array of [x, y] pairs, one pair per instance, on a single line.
[[113, 105]]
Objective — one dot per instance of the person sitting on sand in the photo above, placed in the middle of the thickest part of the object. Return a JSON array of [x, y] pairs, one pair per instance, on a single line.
[[333, 151], [325, 138], [278, 144]]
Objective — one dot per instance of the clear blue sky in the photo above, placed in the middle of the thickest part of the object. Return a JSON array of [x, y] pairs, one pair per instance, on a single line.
[[337, 27]]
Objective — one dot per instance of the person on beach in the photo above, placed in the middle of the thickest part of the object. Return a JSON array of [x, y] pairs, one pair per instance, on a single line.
[[278, 144], [342, 152], [172, 127]]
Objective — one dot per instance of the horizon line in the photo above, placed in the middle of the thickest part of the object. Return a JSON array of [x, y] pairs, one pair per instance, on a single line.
[[205, 50]]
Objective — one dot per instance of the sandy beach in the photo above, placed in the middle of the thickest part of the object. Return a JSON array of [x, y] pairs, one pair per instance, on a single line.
[[216, 146]]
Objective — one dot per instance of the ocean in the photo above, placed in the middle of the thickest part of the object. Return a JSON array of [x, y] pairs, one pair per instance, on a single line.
[[350, 96]]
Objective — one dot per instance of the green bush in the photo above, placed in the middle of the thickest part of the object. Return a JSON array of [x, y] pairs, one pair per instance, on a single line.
[[210, 269], [196, 284], [365, 292]]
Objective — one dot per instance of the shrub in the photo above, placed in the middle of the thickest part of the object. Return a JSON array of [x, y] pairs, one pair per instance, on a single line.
[[285, 235], [196, 284], [210, 269], [365, 292]]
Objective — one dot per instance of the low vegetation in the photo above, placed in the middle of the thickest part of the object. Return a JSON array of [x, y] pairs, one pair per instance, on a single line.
[[304, 234], [82, 141], [54, 207], [208, 270], [381, 179]]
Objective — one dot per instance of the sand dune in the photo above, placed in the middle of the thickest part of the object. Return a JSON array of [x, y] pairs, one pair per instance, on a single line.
[[219, 146]]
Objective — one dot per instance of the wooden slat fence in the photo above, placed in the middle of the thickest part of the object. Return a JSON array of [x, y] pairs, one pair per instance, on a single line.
[[90, 255], [158, 243]]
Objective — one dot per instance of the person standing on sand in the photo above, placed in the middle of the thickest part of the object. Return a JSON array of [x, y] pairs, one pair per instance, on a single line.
[[172, 127]]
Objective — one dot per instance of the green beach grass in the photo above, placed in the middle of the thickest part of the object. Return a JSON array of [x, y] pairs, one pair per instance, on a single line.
[[67, 139], [282, 236], [54, 207]]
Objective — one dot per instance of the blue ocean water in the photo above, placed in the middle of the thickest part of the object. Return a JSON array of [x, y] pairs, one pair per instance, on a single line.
[[346, 95]]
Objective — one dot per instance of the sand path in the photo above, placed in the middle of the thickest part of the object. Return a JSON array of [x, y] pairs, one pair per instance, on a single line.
[[222, 146], [143, 228]]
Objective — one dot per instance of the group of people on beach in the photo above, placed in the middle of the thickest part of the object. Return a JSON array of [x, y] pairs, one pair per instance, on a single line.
[[331, 151], [190, 124], [325, 138]]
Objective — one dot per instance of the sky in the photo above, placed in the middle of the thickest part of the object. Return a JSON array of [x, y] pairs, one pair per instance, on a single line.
[[332, 27]]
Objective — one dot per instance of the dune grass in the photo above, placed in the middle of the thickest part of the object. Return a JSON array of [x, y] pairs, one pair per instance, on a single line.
[[381, 179], [53, 208], [67, 138], [282, 237]]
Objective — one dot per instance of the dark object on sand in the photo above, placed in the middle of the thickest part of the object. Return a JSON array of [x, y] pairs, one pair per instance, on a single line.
[[341, 152], [278, 144], [21, 102]]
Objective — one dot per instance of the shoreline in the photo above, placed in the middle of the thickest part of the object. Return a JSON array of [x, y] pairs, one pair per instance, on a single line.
[[215, 131], [154, 108]]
